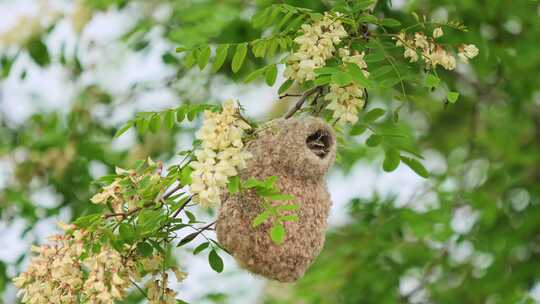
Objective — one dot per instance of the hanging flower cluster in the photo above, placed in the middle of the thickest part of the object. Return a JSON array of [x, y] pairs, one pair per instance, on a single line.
[[115, 194], [346, 101], [158, 291], [316, 45], [432, 53], [221, 154], [108, 276], [65, 272], [55, 275]]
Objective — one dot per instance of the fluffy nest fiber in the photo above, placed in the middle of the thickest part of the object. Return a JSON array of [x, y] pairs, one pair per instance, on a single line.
[[299, 151]]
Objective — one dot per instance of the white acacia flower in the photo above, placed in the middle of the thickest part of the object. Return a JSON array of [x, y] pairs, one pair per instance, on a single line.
[[467, 52], [357, 58], [411, 54], [400, 39], [433, 54], [345, 102], [420, 40], [437, 33], [471, 51], [221, 155], [315, 46]]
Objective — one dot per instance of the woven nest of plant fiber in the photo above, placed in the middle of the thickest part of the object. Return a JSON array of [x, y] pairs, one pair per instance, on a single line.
[[299, 151]]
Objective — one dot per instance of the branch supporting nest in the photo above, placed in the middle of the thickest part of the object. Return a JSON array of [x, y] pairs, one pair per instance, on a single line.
[[301, 101]]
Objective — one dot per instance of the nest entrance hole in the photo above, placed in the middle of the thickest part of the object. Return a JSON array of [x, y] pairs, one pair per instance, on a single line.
[[319, 142]]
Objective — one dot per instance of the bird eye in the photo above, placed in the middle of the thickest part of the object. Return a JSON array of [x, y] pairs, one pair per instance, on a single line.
[[319, 142]]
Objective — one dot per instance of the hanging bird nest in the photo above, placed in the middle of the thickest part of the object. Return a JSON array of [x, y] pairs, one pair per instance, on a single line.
[[299, 151]]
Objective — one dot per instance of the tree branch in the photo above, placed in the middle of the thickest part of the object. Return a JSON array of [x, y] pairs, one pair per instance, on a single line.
[[131, 212], [301, 101]]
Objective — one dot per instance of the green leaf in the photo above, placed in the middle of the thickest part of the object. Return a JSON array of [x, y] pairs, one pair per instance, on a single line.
[[126, 231], [124, 129], [201, 247], [452, 97], [277, 234], [149, 220], [221, 55], [270, 181], [189, 59], [203, 56], [155, 123], [169, 58], [6, 63], [270, 75], [259, 19], [181, 114], [373, 115], [285, 86], [181, 49], [416, 166], [322, 80], [234, 184], [190, 237], [157, 246], [169, 119], [380, 71], [432, 81], [284, 19], [326, 71], [261, 218], [362, 5], [295, 24], [390, 82], [254, 75], [368, 19], [389, 22], [190, 216], [185, 175], [341, 78], [273, 48], [39, 52], [391, 160], [192, 112], [374, 57], [239, 56], [215, 261], [358, 76], [88, 220], [357, 129], [145, 249], [252, 183], [279, 197], [374, 140], [289, 218], [288, 207]]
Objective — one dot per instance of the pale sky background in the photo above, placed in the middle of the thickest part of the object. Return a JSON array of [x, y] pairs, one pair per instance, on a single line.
[[116, 68]]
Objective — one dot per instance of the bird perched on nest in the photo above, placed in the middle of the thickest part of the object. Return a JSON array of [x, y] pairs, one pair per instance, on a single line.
[[299, 151]]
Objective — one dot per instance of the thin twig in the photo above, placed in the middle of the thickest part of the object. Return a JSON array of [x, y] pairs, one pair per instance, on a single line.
[[207, 226], [182, 207], [173, 190], [301, 101], [289, 95], [140, 289], [131, 212]]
